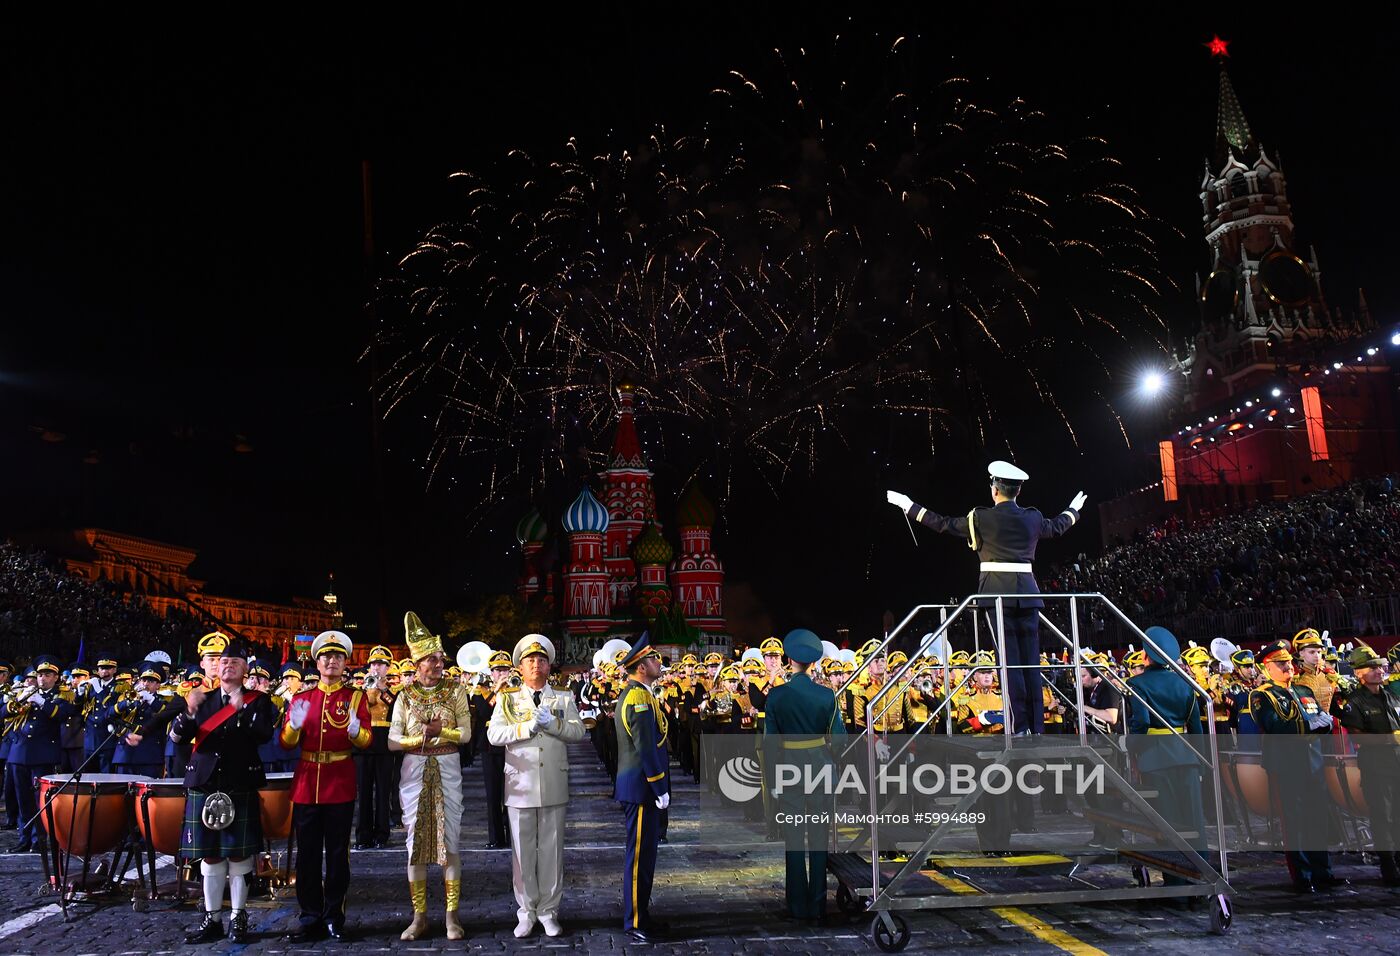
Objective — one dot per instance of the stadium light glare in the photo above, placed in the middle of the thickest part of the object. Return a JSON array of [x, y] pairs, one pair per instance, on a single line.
[[1152, 383], [1277, 392]]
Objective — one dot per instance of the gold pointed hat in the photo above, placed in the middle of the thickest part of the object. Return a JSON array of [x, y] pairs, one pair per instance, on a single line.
[[421, 642]]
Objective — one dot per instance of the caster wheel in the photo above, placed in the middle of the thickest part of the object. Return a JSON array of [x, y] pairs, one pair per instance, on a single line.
[[1140, 874], [139, 905], [1222, 914], [885, 940]]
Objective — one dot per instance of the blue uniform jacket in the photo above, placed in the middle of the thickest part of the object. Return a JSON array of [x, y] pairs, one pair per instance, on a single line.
[[643, 763], [99, 715], [151, 721], [1004, 534], [36, 740]]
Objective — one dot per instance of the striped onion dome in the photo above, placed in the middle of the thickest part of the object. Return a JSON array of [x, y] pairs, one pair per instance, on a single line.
[[586, 514], [531, 527], [695, 510], [651, 547]]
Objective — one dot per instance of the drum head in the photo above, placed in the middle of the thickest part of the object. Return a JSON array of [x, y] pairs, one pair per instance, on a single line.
[[278, 781], [95, 782]]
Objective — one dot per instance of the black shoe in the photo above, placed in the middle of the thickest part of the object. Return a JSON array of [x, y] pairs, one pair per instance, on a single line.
[[380, 844], [359, 845], [21, 848], [1330, 882], [238, 927], [662, 840], [335, 929], [209, 929], [306, 933], [1303, 887], [643, 936], [493, 845]]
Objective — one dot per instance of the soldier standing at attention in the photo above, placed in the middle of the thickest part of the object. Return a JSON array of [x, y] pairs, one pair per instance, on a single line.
[[643, 784], [1005, 538]]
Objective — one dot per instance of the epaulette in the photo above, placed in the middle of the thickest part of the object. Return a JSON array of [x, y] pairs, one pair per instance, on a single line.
[[637, 697]]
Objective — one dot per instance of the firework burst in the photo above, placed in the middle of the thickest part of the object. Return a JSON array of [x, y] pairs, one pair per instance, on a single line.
[[819, 258]]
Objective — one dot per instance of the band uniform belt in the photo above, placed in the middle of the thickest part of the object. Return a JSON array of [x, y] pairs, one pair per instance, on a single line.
[[803, 744], [1158, 731], [380, 723], [325, 756], [1012, 567]]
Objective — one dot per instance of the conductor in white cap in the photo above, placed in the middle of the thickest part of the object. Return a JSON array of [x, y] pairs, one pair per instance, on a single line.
[[535, 724], [1005, 538]]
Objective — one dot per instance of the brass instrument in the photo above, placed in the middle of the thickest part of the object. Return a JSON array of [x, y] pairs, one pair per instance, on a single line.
[[723, 704]]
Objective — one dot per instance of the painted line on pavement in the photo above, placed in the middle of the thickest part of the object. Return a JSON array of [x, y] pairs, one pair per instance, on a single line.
[[1036, 927]]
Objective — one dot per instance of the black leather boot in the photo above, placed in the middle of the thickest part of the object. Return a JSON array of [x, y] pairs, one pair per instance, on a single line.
[[238, 927], [210, 929]]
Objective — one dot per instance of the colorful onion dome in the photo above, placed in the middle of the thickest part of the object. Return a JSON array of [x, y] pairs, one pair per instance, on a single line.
[[651, 547], [695, 510], [586, 514], [532, 527]]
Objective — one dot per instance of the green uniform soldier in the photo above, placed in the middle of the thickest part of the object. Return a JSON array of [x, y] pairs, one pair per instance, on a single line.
[[800, 720], [1374, 716]]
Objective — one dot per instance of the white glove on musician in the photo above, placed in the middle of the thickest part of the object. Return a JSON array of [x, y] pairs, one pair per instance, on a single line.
[[882, 750], [663, 801], [296, 714], [902, 502], [353, 728], [544, 718]]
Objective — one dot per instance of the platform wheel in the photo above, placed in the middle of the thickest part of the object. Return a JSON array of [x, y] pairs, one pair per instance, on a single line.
[[1222, 914], [887, 940], [849, 903]]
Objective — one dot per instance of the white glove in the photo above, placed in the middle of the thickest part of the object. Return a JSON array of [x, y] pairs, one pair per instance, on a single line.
[[296, 714], [544, 718], [353, 729], [902, 502], [1319, 721], [146, 696], [663, 801], [882, 750], [95, 683], [1077, 505]]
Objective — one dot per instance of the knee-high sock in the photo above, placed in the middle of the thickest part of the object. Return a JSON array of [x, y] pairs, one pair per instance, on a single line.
[[238, 871], [215, 876]]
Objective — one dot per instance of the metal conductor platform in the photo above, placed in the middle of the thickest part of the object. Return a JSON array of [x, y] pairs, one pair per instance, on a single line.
[[890, 867]]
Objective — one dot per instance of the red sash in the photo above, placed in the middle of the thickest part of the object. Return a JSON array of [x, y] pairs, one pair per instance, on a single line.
[[218, 717]]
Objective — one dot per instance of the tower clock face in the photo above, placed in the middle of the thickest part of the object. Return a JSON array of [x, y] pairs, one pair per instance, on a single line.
[[1286, 279], [1219, 294]]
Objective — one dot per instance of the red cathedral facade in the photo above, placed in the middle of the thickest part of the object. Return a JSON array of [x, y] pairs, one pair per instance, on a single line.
[[620, 573], [1284, 392]]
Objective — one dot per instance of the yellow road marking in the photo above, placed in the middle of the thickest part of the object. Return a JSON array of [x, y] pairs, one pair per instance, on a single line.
[[1037, 928]]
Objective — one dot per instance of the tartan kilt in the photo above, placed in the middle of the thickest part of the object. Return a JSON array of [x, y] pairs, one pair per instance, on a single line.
[[241, 838]]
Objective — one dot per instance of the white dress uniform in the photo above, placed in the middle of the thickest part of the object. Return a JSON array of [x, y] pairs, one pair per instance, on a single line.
[[537, 785]]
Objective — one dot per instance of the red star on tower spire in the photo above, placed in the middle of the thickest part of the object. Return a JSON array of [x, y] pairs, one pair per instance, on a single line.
[[1218, 47]]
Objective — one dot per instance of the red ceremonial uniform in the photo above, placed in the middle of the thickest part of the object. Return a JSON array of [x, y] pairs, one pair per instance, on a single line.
[[326, 774]]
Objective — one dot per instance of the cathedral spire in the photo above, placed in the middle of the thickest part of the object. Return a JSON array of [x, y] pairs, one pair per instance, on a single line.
[[1232, 131]]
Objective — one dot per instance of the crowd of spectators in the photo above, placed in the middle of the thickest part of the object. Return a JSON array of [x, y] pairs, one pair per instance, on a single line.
[[46, 610], [1333, 554]]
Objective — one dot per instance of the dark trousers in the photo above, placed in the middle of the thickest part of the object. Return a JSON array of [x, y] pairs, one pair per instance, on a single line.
[[1382, 793], [493, 767], [71, 760], [26, 780], [101, 761], [151, 770], [376, 777], [395, 807], [323, 831], [1179, 802], [7, 780], [1023, 647], [1300, 806], [805, 847], [639, 863]]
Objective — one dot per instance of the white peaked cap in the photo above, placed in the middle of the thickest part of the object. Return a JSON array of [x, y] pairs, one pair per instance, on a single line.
[[1006, 471]]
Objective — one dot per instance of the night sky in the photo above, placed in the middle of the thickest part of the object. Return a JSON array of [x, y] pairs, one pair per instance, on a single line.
[[184, 284]]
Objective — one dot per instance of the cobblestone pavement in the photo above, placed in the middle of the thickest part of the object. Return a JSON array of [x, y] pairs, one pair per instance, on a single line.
[[722, 896]]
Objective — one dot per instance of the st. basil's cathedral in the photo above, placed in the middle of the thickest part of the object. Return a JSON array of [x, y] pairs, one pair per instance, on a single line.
[[621, 574]]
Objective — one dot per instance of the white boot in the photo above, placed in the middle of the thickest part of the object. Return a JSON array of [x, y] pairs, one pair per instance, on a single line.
[[551, 925], [525, 927]]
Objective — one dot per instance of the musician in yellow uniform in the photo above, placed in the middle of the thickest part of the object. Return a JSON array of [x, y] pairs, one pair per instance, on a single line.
[[1313, 673], [982, 711], [431, 718], [376, 762]]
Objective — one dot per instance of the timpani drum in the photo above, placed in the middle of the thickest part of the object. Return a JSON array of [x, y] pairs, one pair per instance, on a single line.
[[89, 817], [1344, 785], [1245, 777], [160, 814], [276, 799]]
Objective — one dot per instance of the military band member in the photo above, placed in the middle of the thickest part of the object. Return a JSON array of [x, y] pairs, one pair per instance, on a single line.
[[1160, 732], [329, 722], [225, 728], [983, 711], [376, 763], [643, 784], [96, 696], [39, 712], [1291, 720], [432, 717], [804, 717], [11, 821], [1374, 717], [144, 718], [535, 724], [1005, 538], [1310, 670], [1243, 679], [493, 758]]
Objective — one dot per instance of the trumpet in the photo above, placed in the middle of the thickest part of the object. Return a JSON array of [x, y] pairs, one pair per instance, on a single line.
[[723, 704], [513, 681], [924, 685]]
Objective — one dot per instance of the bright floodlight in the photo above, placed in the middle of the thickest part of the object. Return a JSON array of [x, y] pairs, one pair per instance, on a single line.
[[1395, 339], [1277, 392], [1152, 383]]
